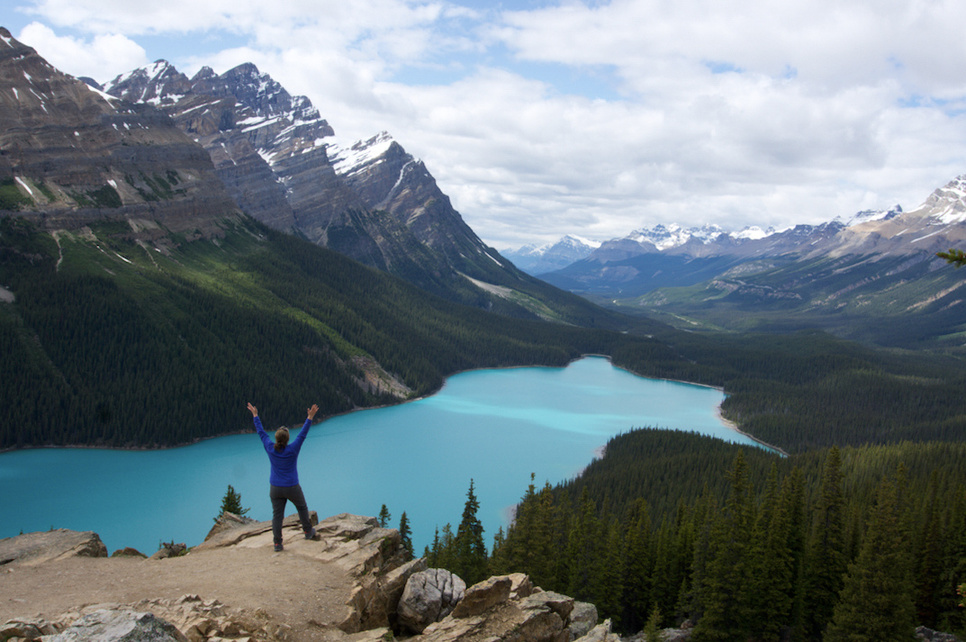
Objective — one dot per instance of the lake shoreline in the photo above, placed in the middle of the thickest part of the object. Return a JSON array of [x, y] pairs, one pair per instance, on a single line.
[[726, 422]]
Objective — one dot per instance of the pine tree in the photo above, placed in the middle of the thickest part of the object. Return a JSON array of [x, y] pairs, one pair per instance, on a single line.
[[384, 517], [583, 540], [826, 561], [725, 617], [498, 558], [793, 499], [652, 628], [520, 546], [231, 503], [470, 550], [405, 535], [876, 601], [639, 566], [446, 549], [609, 578], [929, 563], [769, 570], [542, 561]]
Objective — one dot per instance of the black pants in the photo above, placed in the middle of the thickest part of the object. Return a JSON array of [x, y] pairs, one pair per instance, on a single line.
[[281, 494]]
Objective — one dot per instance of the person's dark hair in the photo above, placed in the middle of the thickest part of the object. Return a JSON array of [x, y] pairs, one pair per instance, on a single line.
[[281, 439]]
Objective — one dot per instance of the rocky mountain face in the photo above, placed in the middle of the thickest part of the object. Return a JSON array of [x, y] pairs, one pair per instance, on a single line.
[[70, 153], [371, 200]]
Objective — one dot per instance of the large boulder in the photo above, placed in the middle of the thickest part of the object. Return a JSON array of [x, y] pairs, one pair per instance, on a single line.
[[583, 618], [428, 597], [119, 625], [374, 600], [483, 596], [44, 546]]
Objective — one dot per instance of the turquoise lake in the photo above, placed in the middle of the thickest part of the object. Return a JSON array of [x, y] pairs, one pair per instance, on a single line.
[[493, 426]]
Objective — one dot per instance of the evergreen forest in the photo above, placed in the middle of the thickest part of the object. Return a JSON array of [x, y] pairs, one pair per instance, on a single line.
[[672, 529]]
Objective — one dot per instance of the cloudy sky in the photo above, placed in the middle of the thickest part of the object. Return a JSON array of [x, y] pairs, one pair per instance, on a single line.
[[587, 117]]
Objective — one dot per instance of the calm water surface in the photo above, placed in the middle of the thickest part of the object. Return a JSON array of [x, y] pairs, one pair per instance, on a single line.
[[493, 426]]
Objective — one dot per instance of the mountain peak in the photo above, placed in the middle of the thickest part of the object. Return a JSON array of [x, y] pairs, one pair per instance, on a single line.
[[205, 73]]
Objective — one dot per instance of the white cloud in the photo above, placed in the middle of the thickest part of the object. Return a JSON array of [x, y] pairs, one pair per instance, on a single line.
[[734, 113], [102, 56]]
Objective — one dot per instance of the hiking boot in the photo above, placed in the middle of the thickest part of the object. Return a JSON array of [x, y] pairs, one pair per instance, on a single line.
[[312, 535], [279, 548]]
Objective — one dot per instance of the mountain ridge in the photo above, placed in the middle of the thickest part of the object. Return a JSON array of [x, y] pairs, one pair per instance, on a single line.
[[370, 200]]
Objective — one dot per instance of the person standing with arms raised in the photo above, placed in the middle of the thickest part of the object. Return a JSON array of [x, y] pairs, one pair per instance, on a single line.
[[284, 479]]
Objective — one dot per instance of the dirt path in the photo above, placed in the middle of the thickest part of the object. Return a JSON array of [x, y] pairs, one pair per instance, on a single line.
[[291, 587]]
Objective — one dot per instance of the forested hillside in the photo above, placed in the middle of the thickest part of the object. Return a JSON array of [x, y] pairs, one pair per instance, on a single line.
[[109, 342], [667, 528]]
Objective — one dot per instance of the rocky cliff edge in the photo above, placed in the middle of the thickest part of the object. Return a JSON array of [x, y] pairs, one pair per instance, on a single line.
[[352, 583]]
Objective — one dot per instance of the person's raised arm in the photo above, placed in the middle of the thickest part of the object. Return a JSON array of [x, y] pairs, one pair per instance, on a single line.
[[253, 410], [311, 411]]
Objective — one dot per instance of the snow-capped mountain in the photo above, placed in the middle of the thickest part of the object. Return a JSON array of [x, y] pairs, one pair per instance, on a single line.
[[663, 237], [370, 200], [938, 224], [538, 259]]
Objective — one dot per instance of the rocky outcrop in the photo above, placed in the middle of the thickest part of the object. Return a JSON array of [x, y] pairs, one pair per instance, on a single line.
[[509, 608], [496, 613], [386, 596], [229, 521], [41, 547], [928, 635]]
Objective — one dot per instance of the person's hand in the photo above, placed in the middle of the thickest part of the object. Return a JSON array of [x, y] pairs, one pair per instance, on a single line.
[[253, 410], [311, 411]]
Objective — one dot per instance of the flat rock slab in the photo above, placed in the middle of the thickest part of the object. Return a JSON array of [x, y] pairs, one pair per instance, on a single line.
[[45, 546]]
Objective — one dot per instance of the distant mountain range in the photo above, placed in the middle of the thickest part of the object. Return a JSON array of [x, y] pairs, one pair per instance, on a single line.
[[243, 145], [670, 239], [844, 275]]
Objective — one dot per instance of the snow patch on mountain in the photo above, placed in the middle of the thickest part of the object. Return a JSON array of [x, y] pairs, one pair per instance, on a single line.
[[348, 159]]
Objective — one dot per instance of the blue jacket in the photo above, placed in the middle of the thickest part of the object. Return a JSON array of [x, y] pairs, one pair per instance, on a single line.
[[284, 464]]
